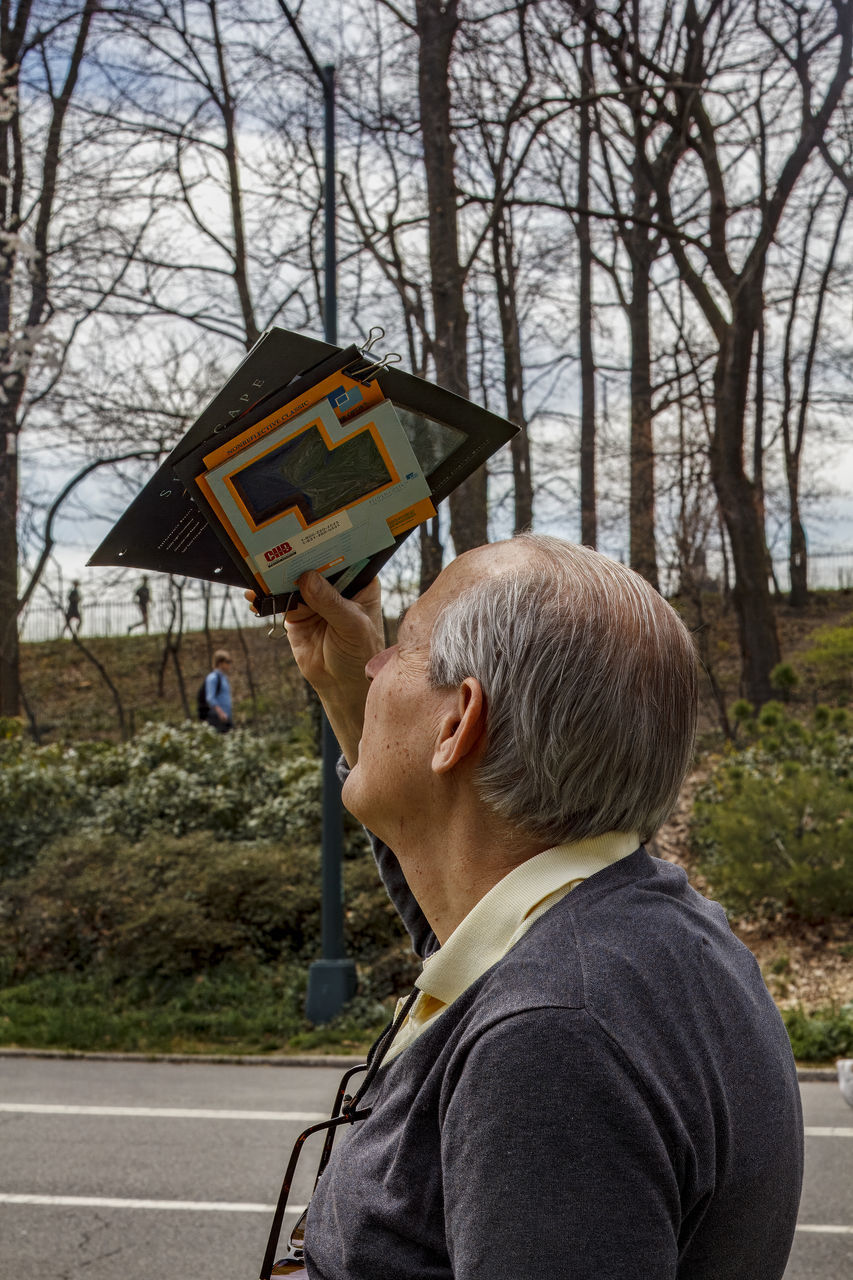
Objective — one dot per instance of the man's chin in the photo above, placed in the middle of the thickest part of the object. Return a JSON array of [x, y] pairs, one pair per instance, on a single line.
[[349, 793], [357, 802]]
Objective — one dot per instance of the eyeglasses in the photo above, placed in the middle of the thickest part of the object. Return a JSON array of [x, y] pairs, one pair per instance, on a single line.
[[345, 1110]]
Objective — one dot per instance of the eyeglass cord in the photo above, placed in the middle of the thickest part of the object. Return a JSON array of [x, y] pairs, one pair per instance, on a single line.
[[348, 1114], [376, 1054]]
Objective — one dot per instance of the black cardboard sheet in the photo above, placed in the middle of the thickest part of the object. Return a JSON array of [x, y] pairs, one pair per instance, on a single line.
[[171, 528]]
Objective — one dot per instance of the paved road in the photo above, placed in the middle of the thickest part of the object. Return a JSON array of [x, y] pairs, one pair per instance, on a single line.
[[97, 1183]]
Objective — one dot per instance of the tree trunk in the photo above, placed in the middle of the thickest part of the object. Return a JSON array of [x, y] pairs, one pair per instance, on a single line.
[[10, 199], [759, 641], [432, 553], [643, 556], [504, 267], [589, 530], [9, 690], [797, 554], [437, 23], [798, 558]]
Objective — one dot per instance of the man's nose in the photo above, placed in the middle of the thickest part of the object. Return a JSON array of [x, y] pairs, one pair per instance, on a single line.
[[377, 662]]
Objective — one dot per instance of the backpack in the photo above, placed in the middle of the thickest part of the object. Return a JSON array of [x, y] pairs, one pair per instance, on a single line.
[[201, 696]]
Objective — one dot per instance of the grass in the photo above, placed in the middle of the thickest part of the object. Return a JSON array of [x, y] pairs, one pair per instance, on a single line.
[[220, 1012], [228, 1012]]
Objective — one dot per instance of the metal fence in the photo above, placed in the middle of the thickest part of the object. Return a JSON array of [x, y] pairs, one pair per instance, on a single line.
[[827, 571], [224, 608]]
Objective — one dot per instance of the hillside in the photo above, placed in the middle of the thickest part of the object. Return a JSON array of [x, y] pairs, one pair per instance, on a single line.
[[70, 700], [808, 965]]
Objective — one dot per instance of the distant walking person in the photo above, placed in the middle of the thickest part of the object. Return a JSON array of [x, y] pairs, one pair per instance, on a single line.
[[214, 701], [72, 607], [142, 596]]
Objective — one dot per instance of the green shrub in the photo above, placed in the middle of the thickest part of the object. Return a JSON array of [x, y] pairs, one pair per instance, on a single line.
[[41, 794], [170, 780], [167, 907], [773, 825], [830, 658], [163, 906], [10, 727], [820, 1036], [784, 678]]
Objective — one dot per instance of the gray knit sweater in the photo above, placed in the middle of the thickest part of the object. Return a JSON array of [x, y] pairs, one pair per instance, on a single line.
[[615, 1099]]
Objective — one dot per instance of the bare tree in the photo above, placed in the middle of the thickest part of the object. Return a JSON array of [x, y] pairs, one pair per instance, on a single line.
[[589, 528], [234, 163], [44, 165], [720, 256], [793, 426]]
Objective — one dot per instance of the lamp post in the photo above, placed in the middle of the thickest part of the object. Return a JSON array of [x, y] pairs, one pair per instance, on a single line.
[[332, 979]]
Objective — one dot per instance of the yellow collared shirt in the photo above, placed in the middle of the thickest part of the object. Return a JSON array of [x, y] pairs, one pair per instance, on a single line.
[[495, 924]]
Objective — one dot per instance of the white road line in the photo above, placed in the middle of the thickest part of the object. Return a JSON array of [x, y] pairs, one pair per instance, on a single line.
[[822, 1230], [113, 1202], [169, 1113], [228, 1206], [211, 1113]]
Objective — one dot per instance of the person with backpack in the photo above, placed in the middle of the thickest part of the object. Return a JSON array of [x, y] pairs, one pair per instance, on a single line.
[[214, 696]]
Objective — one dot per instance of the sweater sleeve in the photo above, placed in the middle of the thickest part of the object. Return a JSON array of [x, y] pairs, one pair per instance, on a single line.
[[553, 1164], [424, 941]]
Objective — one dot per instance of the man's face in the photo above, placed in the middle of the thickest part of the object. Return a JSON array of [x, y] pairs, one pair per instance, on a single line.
[[391, 785]]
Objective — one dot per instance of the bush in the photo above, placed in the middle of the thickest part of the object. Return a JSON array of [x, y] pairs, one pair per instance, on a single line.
[[830, 658], [784, 678], [164, 908], [171, 780], [773, 825], [820, 1036], [41, 794]]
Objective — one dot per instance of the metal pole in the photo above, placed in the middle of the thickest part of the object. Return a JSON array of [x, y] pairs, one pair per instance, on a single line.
[[331, 980], [330, 298]]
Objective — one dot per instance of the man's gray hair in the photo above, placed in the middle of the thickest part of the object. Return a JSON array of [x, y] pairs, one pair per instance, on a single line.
[[591, 685]]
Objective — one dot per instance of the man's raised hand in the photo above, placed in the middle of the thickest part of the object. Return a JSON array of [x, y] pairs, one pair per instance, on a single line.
[[332, 639]]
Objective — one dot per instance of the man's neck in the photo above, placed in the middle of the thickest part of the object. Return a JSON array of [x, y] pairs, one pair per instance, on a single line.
[[451, 863]]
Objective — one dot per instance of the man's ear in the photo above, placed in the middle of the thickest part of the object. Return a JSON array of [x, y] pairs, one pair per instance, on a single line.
[[462, 731]]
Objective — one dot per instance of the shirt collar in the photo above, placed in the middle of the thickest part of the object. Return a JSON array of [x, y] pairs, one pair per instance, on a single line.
[[488, 931]]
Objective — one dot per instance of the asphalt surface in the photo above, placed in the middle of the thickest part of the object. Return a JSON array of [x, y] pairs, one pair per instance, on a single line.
[[92, 1194]]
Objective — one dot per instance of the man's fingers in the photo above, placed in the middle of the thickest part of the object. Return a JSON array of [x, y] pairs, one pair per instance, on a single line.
[[321, 599], [295, 612], [328, 602]]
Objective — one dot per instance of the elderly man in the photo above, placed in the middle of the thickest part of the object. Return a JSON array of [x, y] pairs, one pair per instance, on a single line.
[[593, 1081]]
